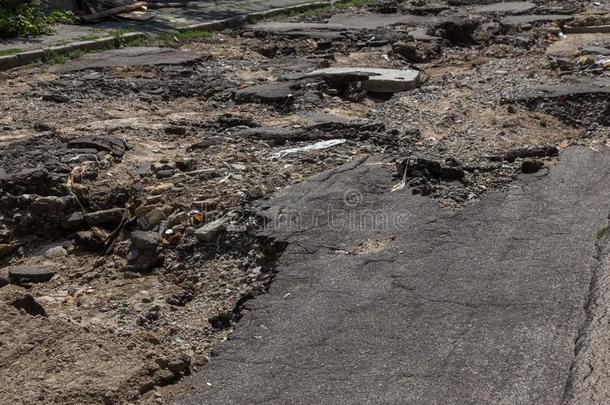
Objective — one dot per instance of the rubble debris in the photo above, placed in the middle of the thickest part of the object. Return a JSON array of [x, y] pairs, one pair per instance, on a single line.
[[29, 305], [377, 80], [29, 274]]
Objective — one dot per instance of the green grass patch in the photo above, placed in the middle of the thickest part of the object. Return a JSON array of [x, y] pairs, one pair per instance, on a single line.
[[52, 58], [10, 51]]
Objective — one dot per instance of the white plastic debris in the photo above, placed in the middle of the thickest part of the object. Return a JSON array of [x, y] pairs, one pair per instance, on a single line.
[[316, 146]]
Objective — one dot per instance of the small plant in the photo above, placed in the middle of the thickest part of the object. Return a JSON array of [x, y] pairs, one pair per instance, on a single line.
[[52, 58], [75, 54]]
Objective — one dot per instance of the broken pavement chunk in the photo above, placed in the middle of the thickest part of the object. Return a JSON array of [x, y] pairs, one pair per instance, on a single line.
[[211, 231], [377, 81], [114, 146], [24, 273], [275, 92]]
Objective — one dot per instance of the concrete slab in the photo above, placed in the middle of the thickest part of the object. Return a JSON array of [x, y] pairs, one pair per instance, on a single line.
[[132, 56], [379, 80], [387, 298]]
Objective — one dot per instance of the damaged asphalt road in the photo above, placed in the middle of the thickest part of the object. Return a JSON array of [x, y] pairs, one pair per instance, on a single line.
[[384, 298], [451, 247]]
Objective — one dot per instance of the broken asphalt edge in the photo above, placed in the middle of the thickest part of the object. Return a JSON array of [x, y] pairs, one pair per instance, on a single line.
[[24, 58]]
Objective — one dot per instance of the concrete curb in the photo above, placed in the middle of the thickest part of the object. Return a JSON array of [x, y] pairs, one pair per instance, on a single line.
[[27, 57]]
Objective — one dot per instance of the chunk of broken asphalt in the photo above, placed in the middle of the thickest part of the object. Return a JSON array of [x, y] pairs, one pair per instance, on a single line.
[[275, 92], [211, 231], [377, 80], [114, 146], [24, 273]]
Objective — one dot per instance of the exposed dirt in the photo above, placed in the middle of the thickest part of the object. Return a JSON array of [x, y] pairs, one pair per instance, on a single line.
[[135, 188]]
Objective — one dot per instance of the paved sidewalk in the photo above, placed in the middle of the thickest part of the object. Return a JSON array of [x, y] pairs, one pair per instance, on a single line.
[[383, 297], [166, 20]]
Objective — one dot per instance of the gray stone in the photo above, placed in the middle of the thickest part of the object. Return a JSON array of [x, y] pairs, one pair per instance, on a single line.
[[211, 231], [24, 273], [379, 80]]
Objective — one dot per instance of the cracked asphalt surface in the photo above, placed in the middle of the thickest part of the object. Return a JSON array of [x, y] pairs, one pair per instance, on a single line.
[[383, 297]]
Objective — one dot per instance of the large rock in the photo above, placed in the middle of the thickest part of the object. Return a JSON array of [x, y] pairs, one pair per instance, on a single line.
[[377, 80]]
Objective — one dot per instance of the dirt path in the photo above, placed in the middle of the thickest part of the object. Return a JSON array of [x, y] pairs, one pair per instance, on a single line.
[[130, 181]]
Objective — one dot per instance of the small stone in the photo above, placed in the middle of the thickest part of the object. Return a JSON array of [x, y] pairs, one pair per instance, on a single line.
[[37, 274], [210, 231]]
